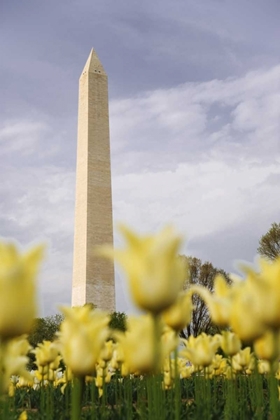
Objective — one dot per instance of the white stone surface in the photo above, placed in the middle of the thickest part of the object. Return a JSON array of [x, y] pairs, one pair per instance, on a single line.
[[93, 277]]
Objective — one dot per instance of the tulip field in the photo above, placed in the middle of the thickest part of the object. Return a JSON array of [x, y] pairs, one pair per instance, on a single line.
[[148, 371], [144, 398]]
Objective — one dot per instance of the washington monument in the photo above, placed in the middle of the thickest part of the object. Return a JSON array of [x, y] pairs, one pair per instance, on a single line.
[[93, 277]]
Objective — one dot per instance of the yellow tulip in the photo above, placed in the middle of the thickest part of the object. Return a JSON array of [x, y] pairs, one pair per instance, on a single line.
[[263, 367], [18, 273], [243, 360], [54, 365], [99, 379], [101, 363], [107, 351], [46, 353], [230, 343], [185, 370], [108, 375], [219, 364], [124, 369], [169, 340], [155, 272], [251, 314], [14, 360], [23, 415], [246, 310], [268, 285], [167, 380], [201, 350], [82, 336], [229, 373], [26, 382], [117, 357], [66, 377], [12, 389], [170, 369], [138, 344], [178, 316], [267, 347], [277, 374], [219, 302]]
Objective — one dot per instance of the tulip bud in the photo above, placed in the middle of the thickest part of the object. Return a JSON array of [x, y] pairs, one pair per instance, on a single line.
[[18, 306]]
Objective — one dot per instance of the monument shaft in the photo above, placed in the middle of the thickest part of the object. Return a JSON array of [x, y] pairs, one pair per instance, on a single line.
[[93, 277]]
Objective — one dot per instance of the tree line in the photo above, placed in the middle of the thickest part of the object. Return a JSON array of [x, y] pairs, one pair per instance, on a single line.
[[200, 273]]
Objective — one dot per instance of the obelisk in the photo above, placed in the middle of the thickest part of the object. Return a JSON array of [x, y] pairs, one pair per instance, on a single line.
[[93, 277]]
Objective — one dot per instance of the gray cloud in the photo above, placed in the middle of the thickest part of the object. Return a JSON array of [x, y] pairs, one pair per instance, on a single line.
[[194, 123], [142, 45]]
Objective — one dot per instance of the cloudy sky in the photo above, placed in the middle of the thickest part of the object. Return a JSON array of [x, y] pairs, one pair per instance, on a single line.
[[194, 91]]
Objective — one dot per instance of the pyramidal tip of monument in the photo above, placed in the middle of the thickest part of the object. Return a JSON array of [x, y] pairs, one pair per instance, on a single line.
[[93, 64]]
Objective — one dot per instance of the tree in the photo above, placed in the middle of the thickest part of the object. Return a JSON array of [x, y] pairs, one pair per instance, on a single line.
[[91, 305], [44, 329], [269, 244], [118, 321], [201, 274]]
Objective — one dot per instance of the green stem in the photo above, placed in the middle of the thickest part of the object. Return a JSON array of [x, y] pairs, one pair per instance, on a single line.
[[76, 398], [49, 396], [3, 351], [154, 382], [3, 405], [93, 400], [273, 390], [157, 344], [150, 394], [177, 387], [273, 393]]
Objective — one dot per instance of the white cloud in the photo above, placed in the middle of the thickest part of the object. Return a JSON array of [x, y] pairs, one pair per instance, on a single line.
[[222, 118], [20, 136], [209, 174], [25, 139], [200, 198], [37, 202]]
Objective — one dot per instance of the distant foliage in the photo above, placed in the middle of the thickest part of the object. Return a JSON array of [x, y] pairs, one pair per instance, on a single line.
[[91, 305], [118, 321], [43, 329], [269, 244]]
